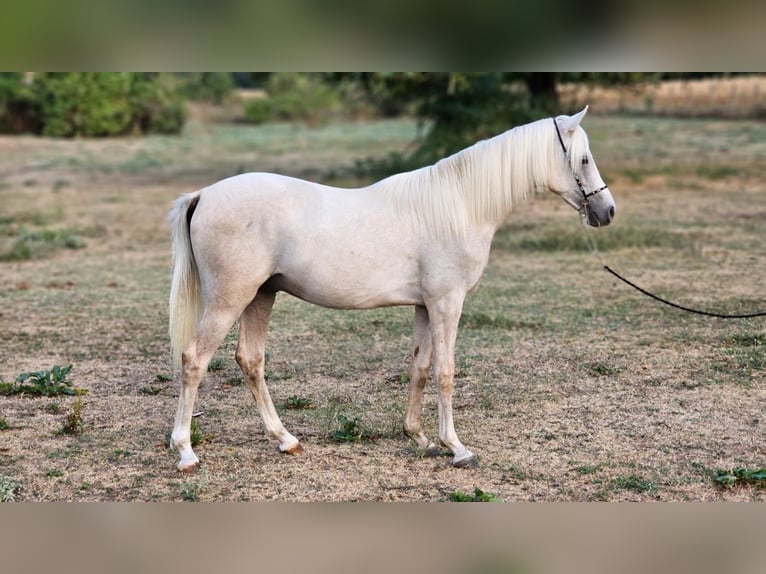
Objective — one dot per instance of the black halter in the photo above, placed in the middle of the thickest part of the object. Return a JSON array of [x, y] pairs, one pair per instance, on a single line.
[[585, 195]]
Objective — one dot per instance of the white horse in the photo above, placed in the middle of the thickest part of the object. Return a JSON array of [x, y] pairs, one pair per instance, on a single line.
[[420, 238]]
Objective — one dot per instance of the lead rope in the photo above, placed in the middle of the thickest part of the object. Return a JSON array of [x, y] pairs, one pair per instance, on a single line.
[[591, 244]]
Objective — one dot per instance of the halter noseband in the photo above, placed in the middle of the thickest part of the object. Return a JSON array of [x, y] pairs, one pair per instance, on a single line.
[[585, 195]]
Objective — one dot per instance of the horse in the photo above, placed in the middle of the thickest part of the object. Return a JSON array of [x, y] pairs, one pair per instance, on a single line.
[[420, 238]]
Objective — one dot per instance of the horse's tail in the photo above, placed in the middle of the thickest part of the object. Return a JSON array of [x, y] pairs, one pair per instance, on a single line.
[[185, 298]]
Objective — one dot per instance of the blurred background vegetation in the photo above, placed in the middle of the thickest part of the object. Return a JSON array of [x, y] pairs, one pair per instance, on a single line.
[[454, 109]]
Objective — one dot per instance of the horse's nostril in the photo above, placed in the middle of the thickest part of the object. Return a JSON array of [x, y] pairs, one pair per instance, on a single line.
[[611, 213]]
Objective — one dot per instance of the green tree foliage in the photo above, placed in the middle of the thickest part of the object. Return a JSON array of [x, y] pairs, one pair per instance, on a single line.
[[457, 110], [207, 86], [75, 104], [462, 108]]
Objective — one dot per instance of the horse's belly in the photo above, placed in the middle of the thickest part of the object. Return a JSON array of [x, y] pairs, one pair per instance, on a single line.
[[329, 285]]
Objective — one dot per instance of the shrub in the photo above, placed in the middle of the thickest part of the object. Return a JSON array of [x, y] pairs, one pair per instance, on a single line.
[[19, 107], [84, 104], [77, 104], [157, 105], [294, 97], [207, 86]]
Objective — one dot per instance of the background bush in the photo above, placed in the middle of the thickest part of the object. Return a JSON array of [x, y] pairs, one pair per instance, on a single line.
[[295, 97], [84, 104], [213, 87]]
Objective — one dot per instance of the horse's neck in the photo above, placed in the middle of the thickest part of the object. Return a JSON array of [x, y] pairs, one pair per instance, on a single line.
[[482, 175], [474, 188]]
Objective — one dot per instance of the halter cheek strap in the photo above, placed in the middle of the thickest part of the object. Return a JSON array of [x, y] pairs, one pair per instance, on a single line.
[[585, 195]]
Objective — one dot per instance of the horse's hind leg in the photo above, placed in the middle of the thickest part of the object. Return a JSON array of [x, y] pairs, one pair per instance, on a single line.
[[418, 373], [250, 357], [194, 361]]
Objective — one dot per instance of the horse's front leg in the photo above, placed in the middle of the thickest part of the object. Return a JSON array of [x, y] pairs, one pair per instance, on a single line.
[[444, 321]]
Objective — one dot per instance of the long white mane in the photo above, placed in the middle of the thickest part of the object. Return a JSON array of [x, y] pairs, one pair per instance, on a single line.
[[481, 183]]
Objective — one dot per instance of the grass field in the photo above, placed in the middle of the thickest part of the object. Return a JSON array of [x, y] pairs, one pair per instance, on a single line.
[[570, 385]]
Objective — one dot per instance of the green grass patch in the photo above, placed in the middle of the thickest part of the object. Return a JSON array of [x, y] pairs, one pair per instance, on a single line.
[[633, 483], [589, 468], [351, 430], [38, 244], [716, 172], [8, 489], [601, 369], [192, 488], [746, 353], [294, 402], [739, 476], [216, 364], [481, 320], [478, 495], [575, 238]]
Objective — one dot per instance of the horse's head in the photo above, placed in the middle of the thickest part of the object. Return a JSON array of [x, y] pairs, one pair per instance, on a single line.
[[575, 176]]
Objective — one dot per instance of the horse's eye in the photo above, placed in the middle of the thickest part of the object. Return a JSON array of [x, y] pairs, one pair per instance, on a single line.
[[585, 161]]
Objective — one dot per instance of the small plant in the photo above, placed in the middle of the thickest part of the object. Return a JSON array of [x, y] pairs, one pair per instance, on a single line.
[[215, 364], [350, 430], [4, 424], [589, 468], [601, 369], [53, 408], [8, 489], [39, 244], [478, 496], [298, 403], [163, 378], [192, 488], [739, 476], [634, 483], [150, 390], [73, 424], [44, 382], [196, 434]]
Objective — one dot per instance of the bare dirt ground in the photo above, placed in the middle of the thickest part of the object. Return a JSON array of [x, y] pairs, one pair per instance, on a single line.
[[570, 386]]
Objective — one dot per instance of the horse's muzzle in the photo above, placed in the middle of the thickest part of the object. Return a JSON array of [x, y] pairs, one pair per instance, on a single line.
[[599, 217]]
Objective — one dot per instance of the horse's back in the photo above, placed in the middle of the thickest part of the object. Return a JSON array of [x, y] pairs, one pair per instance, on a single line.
[[335, 247]]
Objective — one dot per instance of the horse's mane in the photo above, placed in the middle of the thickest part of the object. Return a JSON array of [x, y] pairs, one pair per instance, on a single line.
[[483, 182]]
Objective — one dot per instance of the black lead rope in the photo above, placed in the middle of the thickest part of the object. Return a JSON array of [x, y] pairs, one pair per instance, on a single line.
[[681, 307], [585, 198]]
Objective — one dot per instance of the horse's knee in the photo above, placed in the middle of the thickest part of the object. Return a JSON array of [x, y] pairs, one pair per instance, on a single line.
[[249, 362], [190, 364]]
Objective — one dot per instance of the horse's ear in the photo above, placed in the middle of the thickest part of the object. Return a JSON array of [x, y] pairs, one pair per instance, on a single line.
[[569, 123]]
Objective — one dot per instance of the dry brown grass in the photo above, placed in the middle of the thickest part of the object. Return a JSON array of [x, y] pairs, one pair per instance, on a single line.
[[736, 97], [570, 386]]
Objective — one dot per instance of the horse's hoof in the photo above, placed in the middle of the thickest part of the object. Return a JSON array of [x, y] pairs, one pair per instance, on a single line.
[[189, 468], [470, 462], [296, 449], [431, 451]]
